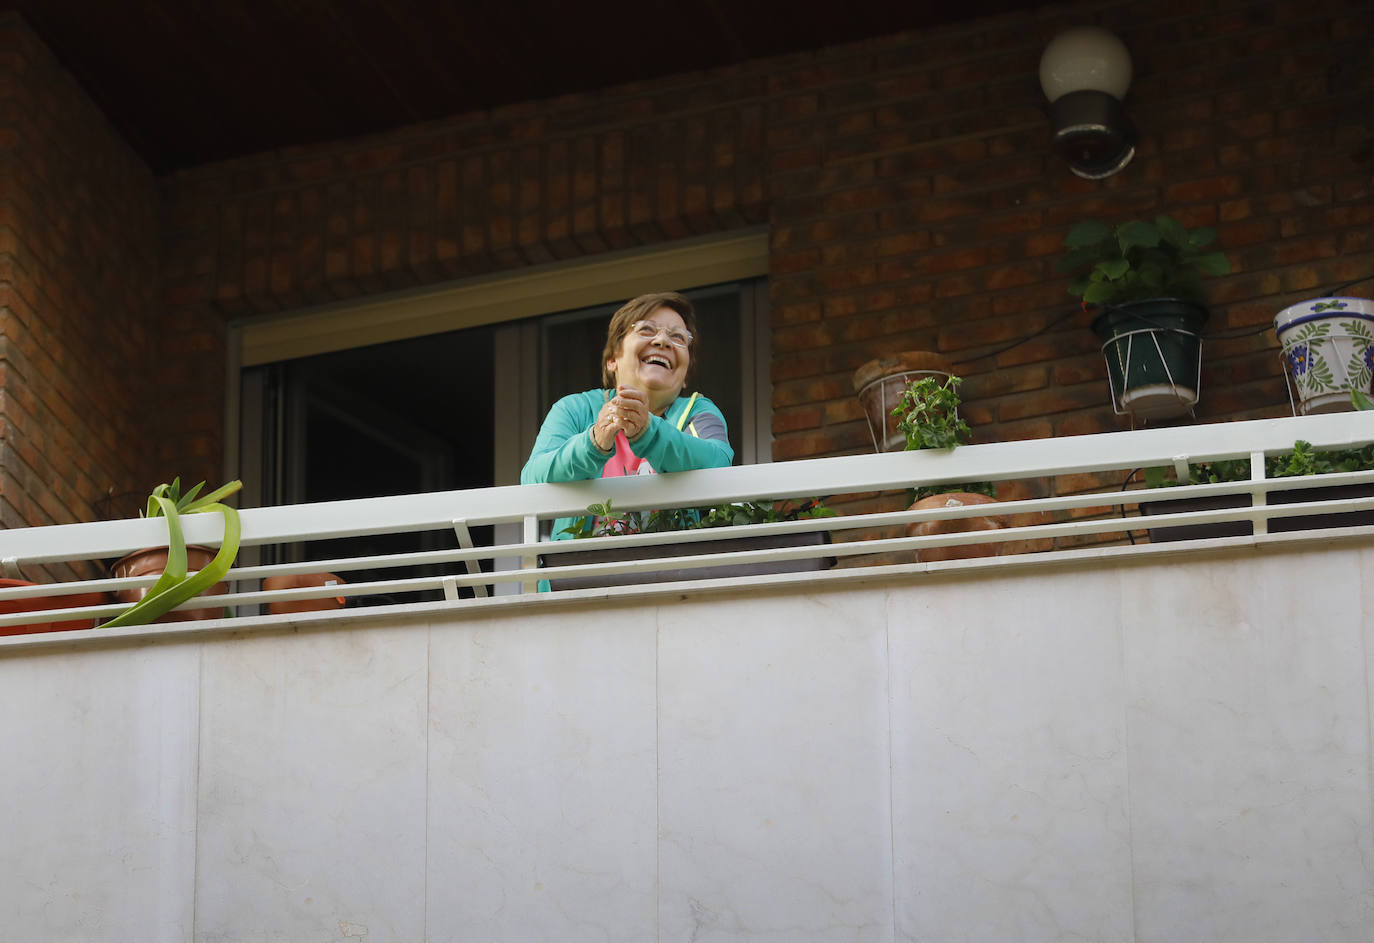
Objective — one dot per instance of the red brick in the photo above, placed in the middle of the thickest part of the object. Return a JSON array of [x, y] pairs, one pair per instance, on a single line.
[[1018, 432], [1102, 420], [1208, 188], [792, 420], [897, 215], [1246, 233]]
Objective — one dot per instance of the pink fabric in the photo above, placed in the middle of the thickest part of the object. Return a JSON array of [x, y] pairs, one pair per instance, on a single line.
[[625, 462]]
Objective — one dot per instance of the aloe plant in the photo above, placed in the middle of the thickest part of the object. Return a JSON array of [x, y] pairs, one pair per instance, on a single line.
[[174, 586]]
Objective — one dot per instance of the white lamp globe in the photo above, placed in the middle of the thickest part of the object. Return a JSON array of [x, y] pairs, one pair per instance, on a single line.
[[1085, 58]]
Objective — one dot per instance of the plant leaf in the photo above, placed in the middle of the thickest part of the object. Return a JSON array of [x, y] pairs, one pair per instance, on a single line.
[[184, 501], [1137, 233], [155, 605], [214, 497], [1079, 285], [1113, 268], [154, 508], [1098, 292], [1172, 231], [175, 570], [1202, 236]]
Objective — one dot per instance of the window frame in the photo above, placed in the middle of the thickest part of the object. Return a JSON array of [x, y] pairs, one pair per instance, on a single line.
[[506, 299]]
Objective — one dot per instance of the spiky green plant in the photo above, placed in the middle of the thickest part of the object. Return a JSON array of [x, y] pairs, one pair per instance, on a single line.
[[174, 586]]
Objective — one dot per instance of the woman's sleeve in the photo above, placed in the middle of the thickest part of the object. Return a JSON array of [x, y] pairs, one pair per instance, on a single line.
[[564, 450], [669, 449]]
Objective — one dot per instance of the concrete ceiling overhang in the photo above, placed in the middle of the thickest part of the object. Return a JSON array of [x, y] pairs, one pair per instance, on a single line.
[[189, 83]]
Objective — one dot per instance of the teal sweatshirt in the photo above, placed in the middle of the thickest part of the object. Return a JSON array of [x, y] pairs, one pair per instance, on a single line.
[[564, 450]]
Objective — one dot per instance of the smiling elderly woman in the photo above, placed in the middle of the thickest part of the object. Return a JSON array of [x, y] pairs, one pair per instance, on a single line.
[[641, 422]]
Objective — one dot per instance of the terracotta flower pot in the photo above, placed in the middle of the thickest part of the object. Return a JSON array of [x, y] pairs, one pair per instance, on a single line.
[[39, 603], [879, 385], [297, 580], [153, 560], [955, 526]]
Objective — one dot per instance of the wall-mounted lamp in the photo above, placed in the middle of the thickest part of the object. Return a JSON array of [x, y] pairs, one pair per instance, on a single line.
[[1085, 73]]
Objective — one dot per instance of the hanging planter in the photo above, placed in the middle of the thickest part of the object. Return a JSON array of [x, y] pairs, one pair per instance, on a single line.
[[1327, 348], [1153, 350], [1147, 279], [880, 383]]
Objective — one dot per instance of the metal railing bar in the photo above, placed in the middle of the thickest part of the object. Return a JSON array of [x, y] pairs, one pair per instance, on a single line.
[[991, 462], [634, 592], [852, 522]]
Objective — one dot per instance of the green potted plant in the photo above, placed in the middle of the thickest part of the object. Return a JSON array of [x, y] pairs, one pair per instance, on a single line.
[[1303, 461], [1146, 277], [177, 584], [879, 384], [1328, 351], [603, 520], [927, 415]]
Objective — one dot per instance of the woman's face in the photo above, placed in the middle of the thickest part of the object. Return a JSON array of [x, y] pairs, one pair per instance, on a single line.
[[654, 364]]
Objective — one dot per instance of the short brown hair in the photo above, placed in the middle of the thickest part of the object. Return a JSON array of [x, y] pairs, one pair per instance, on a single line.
[[639, 309]]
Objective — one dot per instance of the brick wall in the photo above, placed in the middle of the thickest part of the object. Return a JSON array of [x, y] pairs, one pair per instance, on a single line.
[[79, 297], [907, 183], [911, 194]]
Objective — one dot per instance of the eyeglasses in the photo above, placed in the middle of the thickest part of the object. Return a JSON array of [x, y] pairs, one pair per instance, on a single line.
[[649, 330]]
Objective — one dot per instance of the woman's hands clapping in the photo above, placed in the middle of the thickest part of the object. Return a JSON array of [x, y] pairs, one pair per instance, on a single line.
[[627, 411]]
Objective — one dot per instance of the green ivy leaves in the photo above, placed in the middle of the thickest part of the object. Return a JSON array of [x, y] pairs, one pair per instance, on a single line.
[[605, 521], [1303, 460], [928, 414]]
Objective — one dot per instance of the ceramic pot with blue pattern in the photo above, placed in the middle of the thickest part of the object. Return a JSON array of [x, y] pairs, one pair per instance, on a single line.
[[1328, 350]]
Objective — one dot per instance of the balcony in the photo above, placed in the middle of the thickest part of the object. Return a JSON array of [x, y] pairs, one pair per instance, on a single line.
[[1092, 738]]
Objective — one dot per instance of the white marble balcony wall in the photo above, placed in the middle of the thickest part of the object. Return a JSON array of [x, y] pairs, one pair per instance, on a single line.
[[1158, 750]]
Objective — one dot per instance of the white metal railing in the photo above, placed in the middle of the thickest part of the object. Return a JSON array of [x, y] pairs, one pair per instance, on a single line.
[[1057, 528]]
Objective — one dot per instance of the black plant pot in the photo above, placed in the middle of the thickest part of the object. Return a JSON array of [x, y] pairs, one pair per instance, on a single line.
[[1154, 355], [714, 572], [1278, 525]]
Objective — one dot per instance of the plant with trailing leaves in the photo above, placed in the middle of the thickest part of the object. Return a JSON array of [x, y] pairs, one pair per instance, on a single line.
[[1305, 459], [764, 512], [603, 520], [928, 415], [175, 585], [1139, 260]]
